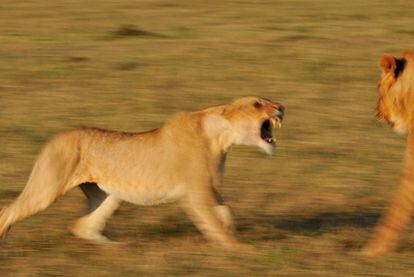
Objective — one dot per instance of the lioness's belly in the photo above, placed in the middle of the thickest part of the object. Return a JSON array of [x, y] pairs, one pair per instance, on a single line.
[[135, 177], [144, 194]]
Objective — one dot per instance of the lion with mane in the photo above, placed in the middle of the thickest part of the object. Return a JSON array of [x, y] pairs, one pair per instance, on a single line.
[[396, 106]]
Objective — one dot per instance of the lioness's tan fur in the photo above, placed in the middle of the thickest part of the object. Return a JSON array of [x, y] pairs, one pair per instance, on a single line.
[[396, 106], [181, 161]]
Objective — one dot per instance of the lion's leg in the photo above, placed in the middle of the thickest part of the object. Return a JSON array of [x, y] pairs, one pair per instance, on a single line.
[[399, 212], [102, 206], [200, 208], [397, 217]]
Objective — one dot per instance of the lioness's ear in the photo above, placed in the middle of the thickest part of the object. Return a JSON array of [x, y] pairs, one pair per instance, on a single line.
[[214, 124], [389, 64]]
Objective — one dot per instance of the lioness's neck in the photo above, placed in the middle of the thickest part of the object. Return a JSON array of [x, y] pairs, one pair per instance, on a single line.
[[206, 127]]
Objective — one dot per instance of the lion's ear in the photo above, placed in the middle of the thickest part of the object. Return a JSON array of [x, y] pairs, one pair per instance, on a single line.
[[387, 63], [214, 124], [390, 64]]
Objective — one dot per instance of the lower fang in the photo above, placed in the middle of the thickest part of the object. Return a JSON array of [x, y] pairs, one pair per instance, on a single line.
[[269, 140]]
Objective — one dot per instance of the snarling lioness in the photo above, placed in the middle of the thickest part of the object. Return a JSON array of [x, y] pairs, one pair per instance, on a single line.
[[396, 106], [183, 161]]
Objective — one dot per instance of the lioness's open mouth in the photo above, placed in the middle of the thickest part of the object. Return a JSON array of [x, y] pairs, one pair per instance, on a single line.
[[266, 130]]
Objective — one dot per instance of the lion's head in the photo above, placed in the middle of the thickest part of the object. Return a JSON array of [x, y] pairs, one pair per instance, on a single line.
[[246, 121], [396, 87]]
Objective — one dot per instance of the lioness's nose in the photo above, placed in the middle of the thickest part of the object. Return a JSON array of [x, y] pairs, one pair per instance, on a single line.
[[280, 110]]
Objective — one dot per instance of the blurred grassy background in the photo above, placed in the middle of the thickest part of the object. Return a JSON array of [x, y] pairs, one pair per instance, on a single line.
[[127, 65]]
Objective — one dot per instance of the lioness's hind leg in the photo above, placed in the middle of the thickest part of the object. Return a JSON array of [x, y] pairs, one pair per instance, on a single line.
[[102, 206], [53, 174]]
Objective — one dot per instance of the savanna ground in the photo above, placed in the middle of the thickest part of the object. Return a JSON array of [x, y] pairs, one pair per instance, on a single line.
[[128, 65]]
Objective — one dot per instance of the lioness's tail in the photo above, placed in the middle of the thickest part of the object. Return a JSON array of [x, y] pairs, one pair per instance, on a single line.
[[49, 179]]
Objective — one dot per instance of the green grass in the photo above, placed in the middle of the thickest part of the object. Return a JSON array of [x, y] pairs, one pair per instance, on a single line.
[[128, 65]]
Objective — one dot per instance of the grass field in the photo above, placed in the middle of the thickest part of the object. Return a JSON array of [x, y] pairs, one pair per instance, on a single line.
[[128, 65]]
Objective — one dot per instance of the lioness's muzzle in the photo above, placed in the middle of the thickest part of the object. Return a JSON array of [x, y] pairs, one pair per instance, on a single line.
[[279, 112], [268, 126]]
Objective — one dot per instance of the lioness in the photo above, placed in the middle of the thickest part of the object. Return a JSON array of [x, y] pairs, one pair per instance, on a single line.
[[181, 161], [396, 106]]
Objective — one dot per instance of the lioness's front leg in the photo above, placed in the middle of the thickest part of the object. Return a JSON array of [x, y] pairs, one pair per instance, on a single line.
[[223, 212], [200, 206]]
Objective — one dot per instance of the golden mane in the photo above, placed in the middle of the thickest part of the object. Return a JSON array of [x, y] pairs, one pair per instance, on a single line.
[[395, 103]]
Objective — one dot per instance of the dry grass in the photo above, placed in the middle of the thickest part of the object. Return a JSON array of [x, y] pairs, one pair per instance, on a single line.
[[128, 65]]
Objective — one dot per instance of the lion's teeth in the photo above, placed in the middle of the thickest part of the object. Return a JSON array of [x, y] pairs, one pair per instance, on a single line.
[[273, 121], [279, 124]]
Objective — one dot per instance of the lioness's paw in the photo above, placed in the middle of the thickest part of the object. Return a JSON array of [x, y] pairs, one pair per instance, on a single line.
[[374, 250], [242, 248]]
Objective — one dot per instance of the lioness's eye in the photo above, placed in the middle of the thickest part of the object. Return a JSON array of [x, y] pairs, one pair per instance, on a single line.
[[257, 105]]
